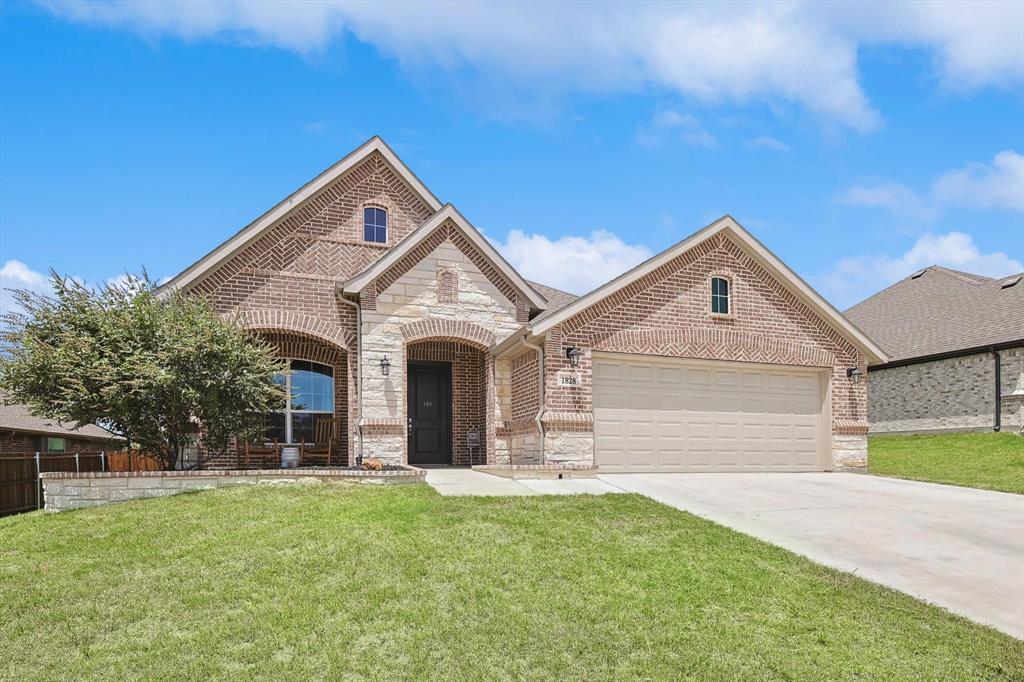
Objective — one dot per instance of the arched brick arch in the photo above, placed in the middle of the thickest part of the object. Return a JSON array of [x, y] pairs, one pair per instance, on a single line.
[[448, 330], [297, 323]]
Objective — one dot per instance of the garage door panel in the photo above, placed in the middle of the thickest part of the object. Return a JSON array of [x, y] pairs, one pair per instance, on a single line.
[[664, 414]]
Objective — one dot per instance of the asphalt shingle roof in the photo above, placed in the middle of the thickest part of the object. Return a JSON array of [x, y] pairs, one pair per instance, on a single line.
[[557, 299], [938, 310], [18, 418]]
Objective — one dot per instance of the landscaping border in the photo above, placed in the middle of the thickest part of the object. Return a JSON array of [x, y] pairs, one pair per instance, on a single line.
[[63, 491]]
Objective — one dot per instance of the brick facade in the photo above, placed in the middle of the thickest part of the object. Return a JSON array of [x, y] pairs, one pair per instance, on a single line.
[[954, 394], [667, 313], [445, 300]]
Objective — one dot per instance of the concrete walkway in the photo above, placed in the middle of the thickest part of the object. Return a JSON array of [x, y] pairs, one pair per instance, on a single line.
[[448, 481], [960, 548]]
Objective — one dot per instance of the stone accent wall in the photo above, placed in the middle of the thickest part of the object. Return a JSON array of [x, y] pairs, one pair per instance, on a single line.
[[409, 308], [66, 491], [668, 312], [955, 394]]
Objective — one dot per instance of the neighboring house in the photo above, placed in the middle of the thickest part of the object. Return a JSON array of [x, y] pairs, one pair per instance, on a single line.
[[415, 341], [956, 353], [21, 433]]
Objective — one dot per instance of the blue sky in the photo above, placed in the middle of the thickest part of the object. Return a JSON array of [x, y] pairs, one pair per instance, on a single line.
[[858, 142]]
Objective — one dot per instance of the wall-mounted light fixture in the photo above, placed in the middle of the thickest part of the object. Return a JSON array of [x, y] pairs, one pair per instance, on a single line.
[[385, 366], [854, 374], [573, 353]]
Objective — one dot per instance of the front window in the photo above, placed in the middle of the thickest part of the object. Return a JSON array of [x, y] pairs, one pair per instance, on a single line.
[[719, 296], [375, 225], [56, 444], [310, 390]]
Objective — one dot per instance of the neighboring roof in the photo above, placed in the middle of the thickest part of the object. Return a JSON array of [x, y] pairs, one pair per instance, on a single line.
[[265, 222], [756, 249], [938, 310], [557, 299], [18, 418], [448, 212]]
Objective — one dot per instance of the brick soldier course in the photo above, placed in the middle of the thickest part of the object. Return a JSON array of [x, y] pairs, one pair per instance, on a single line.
[[303, 277]]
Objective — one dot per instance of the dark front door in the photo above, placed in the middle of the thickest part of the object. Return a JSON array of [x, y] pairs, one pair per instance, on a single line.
[[430, 413]]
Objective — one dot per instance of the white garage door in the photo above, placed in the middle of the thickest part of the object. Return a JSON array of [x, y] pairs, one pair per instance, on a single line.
[[667, 414]]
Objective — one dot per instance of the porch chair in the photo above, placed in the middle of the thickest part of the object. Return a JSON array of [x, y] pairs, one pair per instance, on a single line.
[[262, 453], [326, 430], [319, 452]]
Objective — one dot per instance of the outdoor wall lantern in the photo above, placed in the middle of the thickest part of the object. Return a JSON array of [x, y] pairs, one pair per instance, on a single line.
[[573, 353], [385, 366], [853, 373]]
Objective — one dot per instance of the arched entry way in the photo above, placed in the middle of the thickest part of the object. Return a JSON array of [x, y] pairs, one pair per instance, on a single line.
[[446, 406]]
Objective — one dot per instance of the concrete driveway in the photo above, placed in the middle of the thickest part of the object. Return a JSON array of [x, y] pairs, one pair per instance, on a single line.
[[956, 547]]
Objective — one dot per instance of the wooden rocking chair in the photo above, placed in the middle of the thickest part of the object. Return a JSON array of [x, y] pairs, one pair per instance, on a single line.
[[263, 455], [315, 452]]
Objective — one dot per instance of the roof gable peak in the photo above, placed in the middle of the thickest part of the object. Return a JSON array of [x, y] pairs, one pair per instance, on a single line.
[[254, 230]]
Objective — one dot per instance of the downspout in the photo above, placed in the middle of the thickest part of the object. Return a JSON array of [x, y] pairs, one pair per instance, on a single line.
[[999, 390], [359, 371], [539, 419]]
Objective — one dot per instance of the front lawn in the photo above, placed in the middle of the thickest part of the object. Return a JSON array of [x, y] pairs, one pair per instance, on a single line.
[[304, 582], [994, 461]]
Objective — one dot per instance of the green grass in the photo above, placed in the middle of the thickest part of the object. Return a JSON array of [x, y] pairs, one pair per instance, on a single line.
[[398, 583], [994, 461]]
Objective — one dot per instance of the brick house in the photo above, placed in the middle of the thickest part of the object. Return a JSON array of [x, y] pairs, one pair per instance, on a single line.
[[414, 339], [22, 433], [956, 353]]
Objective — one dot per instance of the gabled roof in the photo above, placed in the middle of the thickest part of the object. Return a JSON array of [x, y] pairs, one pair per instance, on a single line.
[[727, 225], [447, 213], [938, 310], [15, 417], [265, 222]]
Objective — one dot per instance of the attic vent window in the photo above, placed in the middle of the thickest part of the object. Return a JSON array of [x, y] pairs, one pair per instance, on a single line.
[[375, 225], [1010, 282], [447, 285]]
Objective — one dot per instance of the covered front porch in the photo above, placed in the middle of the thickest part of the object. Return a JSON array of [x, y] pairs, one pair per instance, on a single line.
[[313, 427]]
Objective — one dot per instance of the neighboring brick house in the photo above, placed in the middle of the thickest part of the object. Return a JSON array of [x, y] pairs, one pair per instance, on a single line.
[[956, 353], [413, 340], [21, 433]]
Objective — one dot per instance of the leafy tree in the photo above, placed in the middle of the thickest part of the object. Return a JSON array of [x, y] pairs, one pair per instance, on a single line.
[[155, 367]]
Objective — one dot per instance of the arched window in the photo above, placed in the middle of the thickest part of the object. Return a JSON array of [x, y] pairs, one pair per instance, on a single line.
[[719, 296], [375, 225], [310, 390]]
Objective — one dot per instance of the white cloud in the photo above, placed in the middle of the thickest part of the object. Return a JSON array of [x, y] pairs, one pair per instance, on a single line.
[[16, 275], [977, 185], [854, 279], [895, 198], [767, 142], [999, 185], [670, 123], [573, 264], [802, 53]]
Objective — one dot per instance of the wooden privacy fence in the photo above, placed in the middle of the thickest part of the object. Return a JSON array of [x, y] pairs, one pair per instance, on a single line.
[[20, 490]]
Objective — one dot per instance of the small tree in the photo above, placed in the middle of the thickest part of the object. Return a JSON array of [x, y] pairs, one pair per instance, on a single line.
[[155, 369]]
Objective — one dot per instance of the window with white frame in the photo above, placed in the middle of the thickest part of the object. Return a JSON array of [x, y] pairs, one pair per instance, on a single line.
[[309, 387], [719, 296], [375, 225]]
